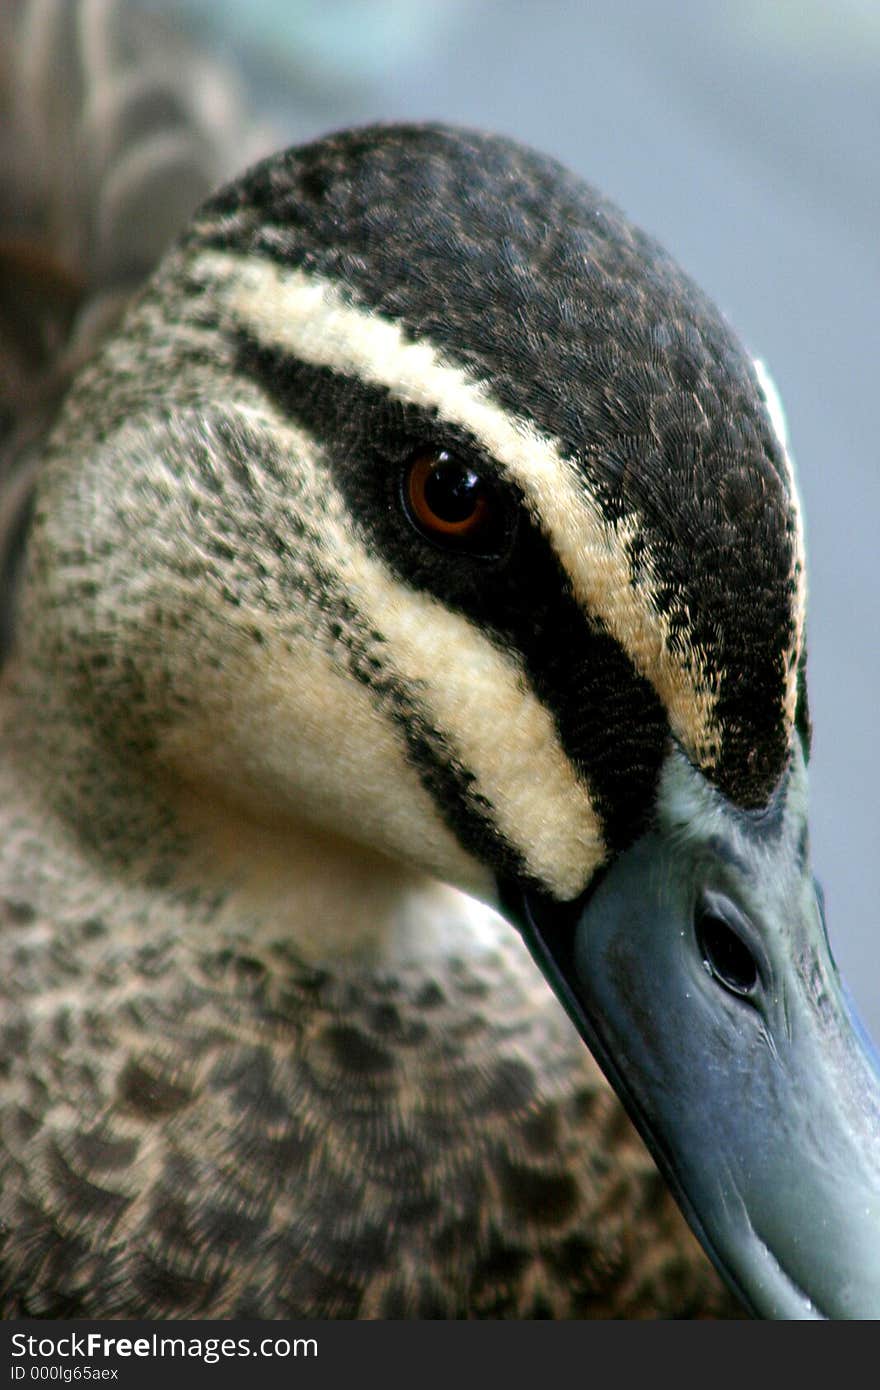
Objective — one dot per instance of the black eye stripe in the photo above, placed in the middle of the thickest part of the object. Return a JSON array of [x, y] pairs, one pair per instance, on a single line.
[[364, 427], [610, 722]]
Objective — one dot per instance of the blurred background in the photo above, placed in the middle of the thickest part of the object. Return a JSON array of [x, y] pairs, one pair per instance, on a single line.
[[744, 135]]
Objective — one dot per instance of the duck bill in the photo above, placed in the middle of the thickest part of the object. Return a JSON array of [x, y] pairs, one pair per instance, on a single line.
[[698, 972]]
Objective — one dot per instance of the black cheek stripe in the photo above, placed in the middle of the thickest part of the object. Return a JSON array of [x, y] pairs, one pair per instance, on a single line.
[[610, 722]]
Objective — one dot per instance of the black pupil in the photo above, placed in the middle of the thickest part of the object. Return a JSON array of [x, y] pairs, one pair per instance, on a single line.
[[725, 955], [453, 491]]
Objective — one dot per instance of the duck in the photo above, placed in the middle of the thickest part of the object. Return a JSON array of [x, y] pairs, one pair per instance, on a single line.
[[405, 686]]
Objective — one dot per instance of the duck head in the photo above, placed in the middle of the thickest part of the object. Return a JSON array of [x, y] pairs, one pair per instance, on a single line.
[[486, 555]]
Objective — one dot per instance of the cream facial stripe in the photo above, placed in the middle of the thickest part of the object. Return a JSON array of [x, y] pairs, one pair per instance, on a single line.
[[307, 317], [776, 411], [537, 801]]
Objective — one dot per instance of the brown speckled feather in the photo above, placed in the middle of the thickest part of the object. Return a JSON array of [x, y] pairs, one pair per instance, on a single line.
[[234, 1134]]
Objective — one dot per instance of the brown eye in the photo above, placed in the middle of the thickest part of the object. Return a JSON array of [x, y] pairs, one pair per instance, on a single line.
[[450, 503]]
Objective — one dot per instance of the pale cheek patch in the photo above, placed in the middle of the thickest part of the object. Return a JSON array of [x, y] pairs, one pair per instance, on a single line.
[[308, 318], [294, 735], [476, 696]]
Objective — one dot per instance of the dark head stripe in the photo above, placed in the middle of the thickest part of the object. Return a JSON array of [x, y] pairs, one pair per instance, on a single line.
[[610, 722]]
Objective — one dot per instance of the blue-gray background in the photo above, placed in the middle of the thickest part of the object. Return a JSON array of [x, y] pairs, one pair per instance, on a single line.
[[745, 135]]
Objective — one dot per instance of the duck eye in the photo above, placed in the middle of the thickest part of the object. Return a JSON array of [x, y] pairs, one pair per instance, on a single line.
[[450, 503], [726, 957]]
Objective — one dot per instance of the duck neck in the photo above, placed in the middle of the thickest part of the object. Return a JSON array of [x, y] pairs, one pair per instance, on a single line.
[[151, 847], [339, 899]]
